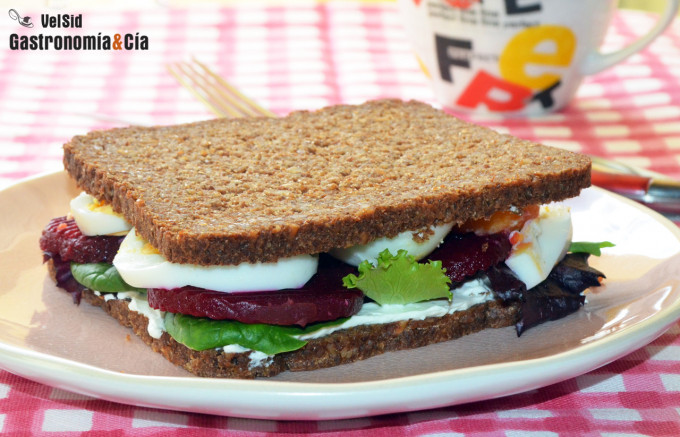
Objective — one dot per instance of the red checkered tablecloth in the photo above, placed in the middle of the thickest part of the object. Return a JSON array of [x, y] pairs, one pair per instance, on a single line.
[[308, 55]]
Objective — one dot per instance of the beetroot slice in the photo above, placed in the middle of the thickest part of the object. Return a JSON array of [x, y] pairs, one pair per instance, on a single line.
[[285, 307], [463, 255], [62, 237], [323, 298]]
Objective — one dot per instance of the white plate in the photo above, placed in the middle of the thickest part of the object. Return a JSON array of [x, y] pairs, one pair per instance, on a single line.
[[44, 337]]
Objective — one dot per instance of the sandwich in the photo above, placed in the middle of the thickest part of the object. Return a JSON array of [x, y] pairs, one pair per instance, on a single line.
[[243, 248]]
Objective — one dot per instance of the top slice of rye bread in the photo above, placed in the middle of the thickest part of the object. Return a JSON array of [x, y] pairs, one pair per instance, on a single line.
[[228, 191]]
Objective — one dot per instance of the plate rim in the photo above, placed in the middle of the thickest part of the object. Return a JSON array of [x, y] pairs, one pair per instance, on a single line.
[[15, 360]]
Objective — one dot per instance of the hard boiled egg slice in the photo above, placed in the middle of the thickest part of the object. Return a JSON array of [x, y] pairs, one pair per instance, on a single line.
[[96, 218], [540, 244], [426, 243], [141, 265]]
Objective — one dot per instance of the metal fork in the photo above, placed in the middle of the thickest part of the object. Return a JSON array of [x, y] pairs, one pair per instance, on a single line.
[[217, 94]]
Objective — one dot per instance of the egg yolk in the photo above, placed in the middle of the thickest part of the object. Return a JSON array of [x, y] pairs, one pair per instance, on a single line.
[[500, 221], [101, 206]]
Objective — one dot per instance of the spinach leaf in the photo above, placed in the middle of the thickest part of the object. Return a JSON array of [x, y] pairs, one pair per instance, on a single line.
[[200, 333], [101, 277], [592, 248]]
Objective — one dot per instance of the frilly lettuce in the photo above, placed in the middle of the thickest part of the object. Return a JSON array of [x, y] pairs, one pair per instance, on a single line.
[[400, 279]]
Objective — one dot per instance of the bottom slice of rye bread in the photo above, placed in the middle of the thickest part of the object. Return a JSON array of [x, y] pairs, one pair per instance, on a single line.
[[340, 347]]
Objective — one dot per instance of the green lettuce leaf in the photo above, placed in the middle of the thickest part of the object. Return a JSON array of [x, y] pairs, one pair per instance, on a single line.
[[592, 248], [400, 279], [201, 333], [101, 277]]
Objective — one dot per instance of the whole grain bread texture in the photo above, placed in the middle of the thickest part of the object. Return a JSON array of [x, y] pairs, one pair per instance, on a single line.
[[227, 191], [340, 347]]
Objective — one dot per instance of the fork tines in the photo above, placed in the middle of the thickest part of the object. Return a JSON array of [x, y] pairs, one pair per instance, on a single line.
[[216, 93]]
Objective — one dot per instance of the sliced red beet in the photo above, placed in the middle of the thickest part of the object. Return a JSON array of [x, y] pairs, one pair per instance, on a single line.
[[284, 307], [463, 255], [62, 237], [323, 298]]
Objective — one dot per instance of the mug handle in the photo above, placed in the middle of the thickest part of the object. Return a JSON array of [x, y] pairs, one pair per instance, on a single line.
[[596, 62]]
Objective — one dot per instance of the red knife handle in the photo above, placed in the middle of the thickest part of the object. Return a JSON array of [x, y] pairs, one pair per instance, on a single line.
[[632, 186]]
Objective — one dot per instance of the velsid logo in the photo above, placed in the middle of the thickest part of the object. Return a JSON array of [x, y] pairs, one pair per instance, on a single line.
[[25, 21], [519, 88], [118, 41]]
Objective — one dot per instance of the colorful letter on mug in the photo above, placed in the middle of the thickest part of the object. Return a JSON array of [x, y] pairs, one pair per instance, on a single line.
[[497, 94], [522, 50], [512, 8], [516, 85], [450, 52]]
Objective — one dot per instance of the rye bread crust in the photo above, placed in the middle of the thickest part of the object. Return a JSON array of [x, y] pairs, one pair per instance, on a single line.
[[340, 347], [227, 191]]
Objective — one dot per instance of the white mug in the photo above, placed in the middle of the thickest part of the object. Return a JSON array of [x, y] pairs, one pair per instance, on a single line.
[[520, 57]]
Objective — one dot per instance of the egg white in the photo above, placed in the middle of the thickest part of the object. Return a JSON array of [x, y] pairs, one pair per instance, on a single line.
[[545, 241], [140, 265], [94, 219], [355, 255]]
